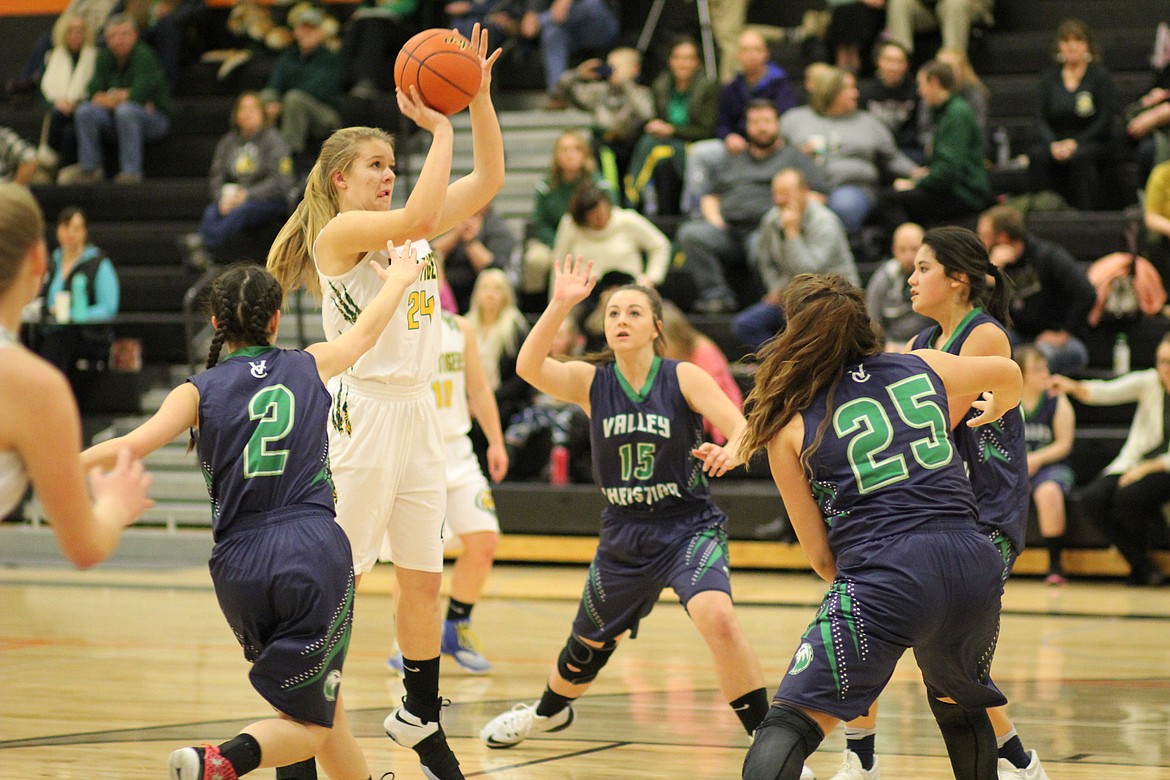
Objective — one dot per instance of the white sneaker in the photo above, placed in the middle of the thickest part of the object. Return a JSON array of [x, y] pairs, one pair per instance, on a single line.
[[1033, 771], [807, 774], [517, 724], [851, 769], [407, 730]]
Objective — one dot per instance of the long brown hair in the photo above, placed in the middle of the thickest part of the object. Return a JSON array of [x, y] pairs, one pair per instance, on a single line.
[[21, 226], [828, 328], [289, 259]]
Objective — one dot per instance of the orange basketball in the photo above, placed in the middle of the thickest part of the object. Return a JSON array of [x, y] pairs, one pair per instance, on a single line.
[[442, 66]]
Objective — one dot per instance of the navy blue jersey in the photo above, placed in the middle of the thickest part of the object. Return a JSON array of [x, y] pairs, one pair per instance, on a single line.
[[642, 444], [887, 463], [263, 442], [1038, 423], [995, 454]]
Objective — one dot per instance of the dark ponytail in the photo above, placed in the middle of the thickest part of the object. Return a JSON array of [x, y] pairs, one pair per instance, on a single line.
[[959, 251]]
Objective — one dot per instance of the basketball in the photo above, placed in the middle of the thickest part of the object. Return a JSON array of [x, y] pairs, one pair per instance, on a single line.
[[442, 66]]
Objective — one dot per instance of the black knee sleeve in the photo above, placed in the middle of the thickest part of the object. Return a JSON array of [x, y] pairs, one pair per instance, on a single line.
[[302, 770], [781, 744], [579, 663], [969, 737]]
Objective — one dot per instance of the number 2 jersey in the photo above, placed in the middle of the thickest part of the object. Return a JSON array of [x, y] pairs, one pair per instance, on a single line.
[[995, 454], [886, 453], [642, 443], [262, 441]]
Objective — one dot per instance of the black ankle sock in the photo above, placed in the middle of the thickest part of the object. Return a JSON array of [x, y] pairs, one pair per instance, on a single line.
[[302, 770], [863, 748], [421, 679], [243, 751], [751, 708], [551, 703], [1013, 750], [1055, 548], [459, 610]]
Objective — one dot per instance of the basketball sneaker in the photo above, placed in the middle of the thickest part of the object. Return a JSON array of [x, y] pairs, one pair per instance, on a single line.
[[1033, 771], [427, 739], [460, 642], [852, 769], [519, 723], [395, 661], [199, 763], [807, 774]]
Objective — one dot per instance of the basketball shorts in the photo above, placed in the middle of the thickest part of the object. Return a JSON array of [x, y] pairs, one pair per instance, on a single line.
[[635, 560], [470, 506], [388, 461], [1060, 473], [937, 593], [285, 584]]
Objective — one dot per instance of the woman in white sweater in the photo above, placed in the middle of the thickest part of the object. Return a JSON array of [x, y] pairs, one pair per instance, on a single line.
[[616, 239], [69, 66], [1125, 502]]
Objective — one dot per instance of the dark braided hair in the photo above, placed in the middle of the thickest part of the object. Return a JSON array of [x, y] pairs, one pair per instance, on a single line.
[[243, 299]]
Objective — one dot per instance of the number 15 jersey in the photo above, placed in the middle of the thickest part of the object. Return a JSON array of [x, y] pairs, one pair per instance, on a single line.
[[887, 464], [263, 445]]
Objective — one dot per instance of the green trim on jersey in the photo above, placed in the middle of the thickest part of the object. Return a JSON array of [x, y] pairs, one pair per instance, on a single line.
[[253, 351], [961, 327], [634, 395], [346, 306]]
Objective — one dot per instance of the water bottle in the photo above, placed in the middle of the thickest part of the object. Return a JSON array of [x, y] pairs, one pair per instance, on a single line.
[[1003, 149], [79, 298], [558, 465], [1121, 355]]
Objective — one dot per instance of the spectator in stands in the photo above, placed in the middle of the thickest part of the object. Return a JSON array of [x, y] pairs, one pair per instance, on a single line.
[[953, 183], [481, 241], [854, 25], [967, 86], [18, 158], [719, 239], [1051, 296], [573, 164], [893, 97], [1147, 119], [617, 238], [1125, 501], [619, 105], [759, 79], [798, 235], [500, 329], [685, 342], [887, 296], [305, 87], [566, 26], [370, 41], [1078, 102], [1156, 205], [854, 149], [954, 18], [1049, 427], [128, 100], [165, 26], [94, 12], [68, 68], [685, 103], [501, 18], [86, 273], [251, 176]]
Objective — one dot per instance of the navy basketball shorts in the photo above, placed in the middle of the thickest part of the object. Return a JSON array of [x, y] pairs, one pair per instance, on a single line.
[[1060, 473], [636, 559], [285, 585], [938, 593]]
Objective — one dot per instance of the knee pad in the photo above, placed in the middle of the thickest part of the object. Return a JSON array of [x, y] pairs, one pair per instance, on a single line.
[[579, 663], [969, 738], [784, 739]]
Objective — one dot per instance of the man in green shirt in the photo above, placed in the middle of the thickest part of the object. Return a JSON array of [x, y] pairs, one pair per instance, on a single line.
[[129, 101]]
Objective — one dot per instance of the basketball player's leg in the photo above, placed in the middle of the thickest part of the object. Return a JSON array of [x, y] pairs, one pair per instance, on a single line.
[[787, 736]]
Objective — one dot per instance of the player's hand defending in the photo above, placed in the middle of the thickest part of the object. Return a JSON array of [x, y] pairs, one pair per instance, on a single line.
[[404, 268], [573, 280], [479, 44], [414, 109], [121, 492], [989, 411], [717, 460]]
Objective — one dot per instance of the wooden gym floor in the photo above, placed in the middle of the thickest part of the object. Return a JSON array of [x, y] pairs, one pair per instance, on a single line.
[[103, 673]]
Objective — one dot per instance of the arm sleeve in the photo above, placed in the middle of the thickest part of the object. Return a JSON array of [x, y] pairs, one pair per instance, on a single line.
[[1124, 389]]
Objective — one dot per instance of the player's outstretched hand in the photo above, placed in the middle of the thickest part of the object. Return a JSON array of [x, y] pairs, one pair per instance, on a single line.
[[404, 267], [479, 44], [573, 280], [989, 411], [414, 109], [122, 491], [717, 460]]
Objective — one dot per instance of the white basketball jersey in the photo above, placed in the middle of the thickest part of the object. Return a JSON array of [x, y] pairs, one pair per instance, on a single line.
[[450, 383], [13, 476], [408, 349]]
